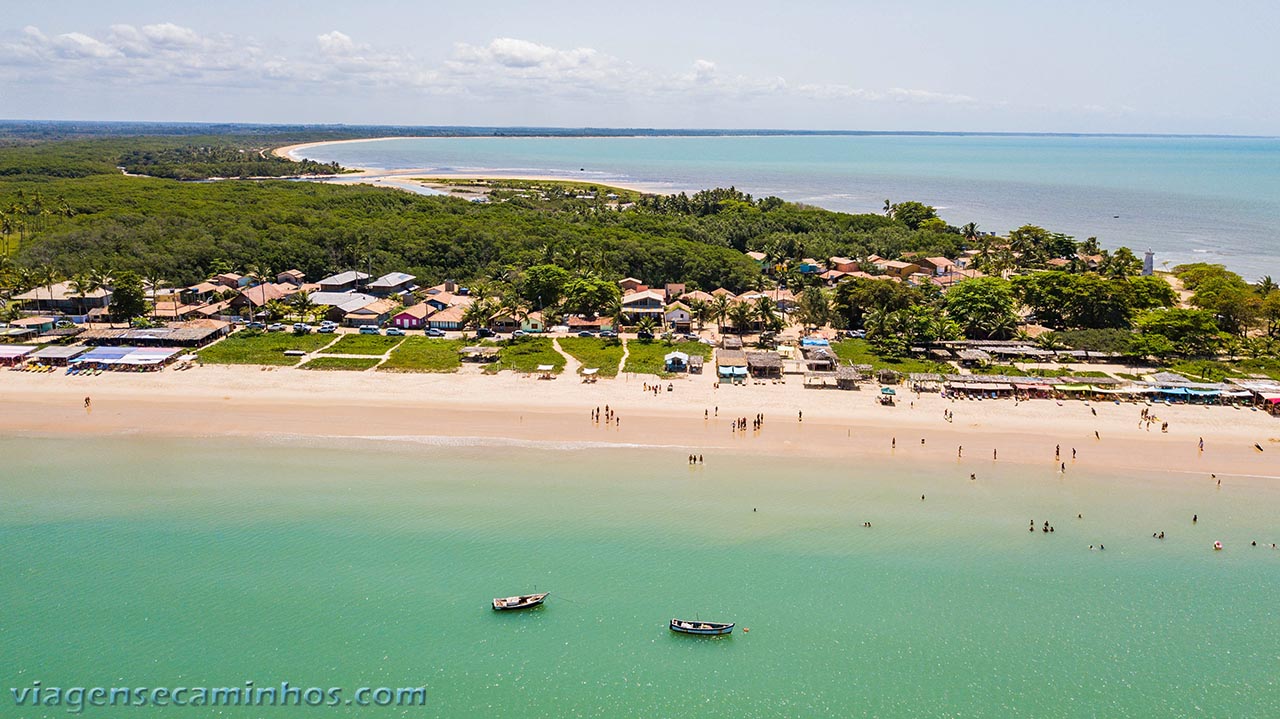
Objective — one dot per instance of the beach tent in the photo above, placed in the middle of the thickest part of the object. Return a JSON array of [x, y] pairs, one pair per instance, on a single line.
[[675, 361], [12, 354], [58, 354], [590, 371]]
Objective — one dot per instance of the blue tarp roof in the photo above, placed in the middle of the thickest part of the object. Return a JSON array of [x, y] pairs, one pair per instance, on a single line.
[[98, 354], [814, 342]]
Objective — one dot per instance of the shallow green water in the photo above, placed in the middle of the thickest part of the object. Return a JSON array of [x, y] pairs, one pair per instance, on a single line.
[[182, 563]]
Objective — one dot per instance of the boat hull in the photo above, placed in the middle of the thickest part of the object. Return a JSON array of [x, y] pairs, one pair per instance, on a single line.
[[510, 604], [706, 629]]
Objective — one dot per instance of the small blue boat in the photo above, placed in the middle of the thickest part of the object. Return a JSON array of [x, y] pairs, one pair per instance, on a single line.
[[685, 626]]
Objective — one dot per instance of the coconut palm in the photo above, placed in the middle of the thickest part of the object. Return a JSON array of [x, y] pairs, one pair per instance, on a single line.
[[302, 305], [720, 310], [741, 314], [700, 311], [969, 232], [1266, 285], [45, 276], [767, 314], [646, 324], [479, 313], [155, 280]]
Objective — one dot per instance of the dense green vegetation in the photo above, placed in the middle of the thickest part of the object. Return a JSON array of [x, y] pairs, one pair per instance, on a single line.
[[358, 344], [198, 162], [349, 364], [645, 356], [526, 354], [424, 354], [265, 348], [560, 247], [599, 352]]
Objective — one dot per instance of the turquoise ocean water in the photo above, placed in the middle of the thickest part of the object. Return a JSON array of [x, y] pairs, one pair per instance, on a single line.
[[1189, 199], [147, 562]]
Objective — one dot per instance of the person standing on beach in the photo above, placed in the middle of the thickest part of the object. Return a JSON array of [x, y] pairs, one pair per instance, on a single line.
[[88, 404]]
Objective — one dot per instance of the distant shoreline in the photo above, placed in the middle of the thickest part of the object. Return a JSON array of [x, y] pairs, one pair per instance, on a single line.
[[401, 178]]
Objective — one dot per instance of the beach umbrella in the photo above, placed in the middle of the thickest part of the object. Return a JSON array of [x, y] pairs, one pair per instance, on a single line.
[[887, 390]]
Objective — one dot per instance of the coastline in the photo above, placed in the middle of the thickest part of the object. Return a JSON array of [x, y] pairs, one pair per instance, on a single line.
[[400, 178], [512, 409]]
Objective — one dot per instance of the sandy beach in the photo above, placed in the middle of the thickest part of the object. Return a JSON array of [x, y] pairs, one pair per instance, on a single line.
[[221, 401], [406, 178]]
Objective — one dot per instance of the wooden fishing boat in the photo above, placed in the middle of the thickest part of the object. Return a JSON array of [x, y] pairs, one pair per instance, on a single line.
[[685, 626], [524, 601]]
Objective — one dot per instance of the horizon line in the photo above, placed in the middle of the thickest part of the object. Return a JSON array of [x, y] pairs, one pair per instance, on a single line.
[[667, 131]]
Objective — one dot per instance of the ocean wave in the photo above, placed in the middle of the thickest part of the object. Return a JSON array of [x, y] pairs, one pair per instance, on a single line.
[[462, 441]]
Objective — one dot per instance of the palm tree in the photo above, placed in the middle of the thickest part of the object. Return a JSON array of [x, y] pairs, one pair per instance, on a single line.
[[81, 285], [616, 313], [46, 276], [302, 305], [720, 310], [260, 274], [1266, 285], [888, 208], [699, 310], [767, 313], [154, 279], [479, 313], [970, 233], [646, 324], [741, 314]]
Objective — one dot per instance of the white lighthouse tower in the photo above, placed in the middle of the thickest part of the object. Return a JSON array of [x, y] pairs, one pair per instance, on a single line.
[[1148, 263]]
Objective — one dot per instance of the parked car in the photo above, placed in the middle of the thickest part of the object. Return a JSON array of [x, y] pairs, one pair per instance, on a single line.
[[275, 327], [395, 332], [302, 328], [518, 333], [256, 325], [586, 333], [644, 335], [370, 330], [485, 332], [608, 333], [433, 332], [327, 329]]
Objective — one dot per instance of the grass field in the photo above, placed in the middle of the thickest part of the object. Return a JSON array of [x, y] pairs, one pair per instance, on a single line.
[[600, 352], [350, 364], [860, 352], [268, 348], [646, 357], [525, 354], [424, 354], [357, 344]]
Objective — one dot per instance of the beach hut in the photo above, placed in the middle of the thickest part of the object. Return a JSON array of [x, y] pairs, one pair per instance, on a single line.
[[847, 377], [731, 365], [764, 364], [590, 375], [676, 361], [695, 364]]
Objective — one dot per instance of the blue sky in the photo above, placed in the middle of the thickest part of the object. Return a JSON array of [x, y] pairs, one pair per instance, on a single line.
[[1083, 66]]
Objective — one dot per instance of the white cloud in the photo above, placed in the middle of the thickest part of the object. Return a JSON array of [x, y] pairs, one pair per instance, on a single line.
[[503, 68]]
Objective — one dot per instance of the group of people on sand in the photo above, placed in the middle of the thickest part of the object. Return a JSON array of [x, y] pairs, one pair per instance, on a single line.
[[657, 388], [609, 416], [740, 424], [695, 459], [1146, 418]]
